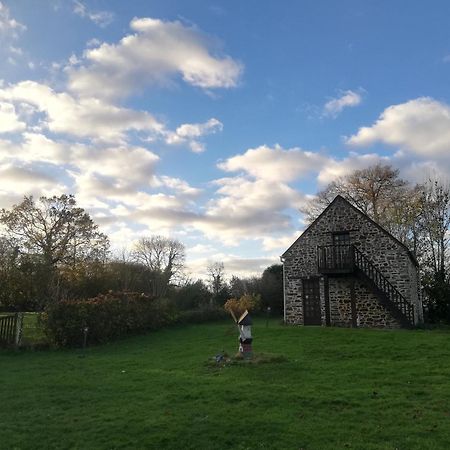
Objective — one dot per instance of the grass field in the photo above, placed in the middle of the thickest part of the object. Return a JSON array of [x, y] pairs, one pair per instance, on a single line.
[[337, 389]]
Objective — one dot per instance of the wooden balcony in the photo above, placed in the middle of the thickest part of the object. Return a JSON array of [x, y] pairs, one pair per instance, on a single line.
[[335, 259]]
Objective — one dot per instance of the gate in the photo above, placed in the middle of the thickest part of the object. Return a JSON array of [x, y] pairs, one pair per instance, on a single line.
[[10, 329]]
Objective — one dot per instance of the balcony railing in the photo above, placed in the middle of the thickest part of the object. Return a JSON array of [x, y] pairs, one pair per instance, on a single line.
[[336, 258]]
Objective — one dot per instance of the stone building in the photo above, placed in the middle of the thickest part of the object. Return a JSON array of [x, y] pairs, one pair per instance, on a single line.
[[346, 270]]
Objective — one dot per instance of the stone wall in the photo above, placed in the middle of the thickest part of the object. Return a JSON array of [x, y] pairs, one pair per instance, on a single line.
[[386, 253], [370, 313]]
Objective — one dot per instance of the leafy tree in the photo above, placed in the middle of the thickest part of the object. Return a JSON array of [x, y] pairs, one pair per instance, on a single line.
[[53, 233], [192, 296], [163, 257], [238, 287], [56, 229], [272, 288]]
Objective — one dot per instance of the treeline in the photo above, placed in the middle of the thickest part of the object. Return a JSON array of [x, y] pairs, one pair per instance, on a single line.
[[52, 251], [416, 214]]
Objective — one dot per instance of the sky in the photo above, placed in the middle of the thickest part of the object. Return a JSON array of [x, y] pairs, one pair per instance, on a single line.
[[214, 122]]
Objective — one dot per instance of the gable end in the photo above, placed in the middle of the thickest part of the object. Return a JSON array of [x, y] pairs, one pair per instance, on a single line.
[[339, 197]]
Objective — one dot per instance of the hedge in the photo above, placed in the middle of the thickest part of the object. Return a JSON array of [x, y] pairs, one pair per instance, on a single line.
[[114, 315], [106, 317]]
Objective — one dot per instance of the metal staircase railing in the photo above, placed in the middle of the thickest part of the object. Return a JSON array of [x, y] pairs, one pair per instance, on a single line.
[[392, 296]]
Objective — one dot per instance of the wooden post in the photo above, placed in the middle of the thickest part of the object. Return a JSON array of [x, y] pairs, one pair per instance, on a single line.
[[18, 330]]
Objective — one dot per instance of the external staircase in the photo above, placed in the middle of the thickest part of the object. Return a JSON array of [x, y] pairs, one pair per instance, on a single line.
[[348, 259]]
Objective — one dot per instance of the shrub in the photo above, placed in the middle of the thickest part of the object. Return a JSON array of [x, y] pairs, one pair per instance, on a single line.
[[106, 317], [192, 296], [206, 314]]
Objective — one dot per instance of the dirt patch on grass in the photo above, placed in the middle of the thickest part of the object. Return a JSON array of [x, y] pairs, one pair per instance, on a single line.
[[224, 360]]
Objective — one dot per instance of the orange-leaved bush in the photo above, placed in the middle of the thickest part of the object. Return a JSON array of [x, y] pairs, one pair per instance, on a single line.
[[250, 302]]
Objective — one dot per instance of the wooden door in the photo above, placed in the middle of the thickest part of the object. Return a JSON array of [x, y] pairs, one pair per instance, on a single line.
[[311, 302]]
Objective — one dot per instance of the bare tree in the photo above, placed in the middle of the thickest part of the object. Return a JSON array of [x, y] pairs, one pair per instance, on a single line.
[[216, 275], [379, 192], [163, 257], [435, 224], [372, 190]]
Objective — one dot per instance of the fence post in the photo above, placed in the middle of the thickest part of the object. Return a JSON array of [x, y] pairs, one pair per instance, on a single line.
[[19, 329]]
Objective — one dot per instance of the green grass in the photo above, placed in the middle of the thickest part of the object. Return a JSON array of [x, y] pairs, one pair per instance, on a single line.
[[330, 389], [32, 333]]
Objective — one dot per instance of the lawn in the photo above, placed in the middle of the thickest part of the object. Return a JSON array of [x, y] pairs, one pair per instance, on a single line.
[[337, 389]]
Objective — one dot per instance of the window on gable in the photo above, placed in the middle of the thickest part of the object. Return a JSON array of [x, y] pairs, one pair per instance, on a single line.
[[341, 238]]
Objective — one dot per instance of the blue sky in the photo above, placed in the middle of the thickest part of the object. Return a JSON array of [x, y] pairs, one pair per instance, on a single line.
[[213, 122]]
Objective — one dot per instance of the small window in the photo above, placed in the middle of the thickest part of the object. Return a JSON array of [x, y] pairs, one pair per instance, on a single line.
[[341, 238]]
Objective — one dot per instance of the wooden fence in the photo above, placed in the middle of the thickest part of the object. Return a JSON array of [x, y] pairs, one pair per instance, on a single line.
[[11, 329]]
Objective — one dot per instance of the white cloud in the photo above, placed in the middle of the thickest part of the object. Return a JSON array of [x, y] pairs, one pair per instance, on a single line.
[[275, 164], [179, 186], [130, 167], [280, 243], [17, 181], [421, 126], [190, 132], [97, 173], [9, 120], [247, 209], [9, 27], [347, 99], [101, 18], [60, 112], [154, 54], [86, 117], [233, 265], [16, 50], [335, 168]]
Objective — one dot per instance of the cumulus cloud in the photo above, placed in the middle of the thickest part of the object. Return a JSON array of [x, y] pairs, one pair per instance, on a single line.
[[9, 120], [86, 117], [347, 99], [111, 162], [181, 187], [247, 209], [275, 164], [256, 203], [421, 126], [157, 51], [17, 181], [96, 172], [335, 168], [188, 133], [101, 18]]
